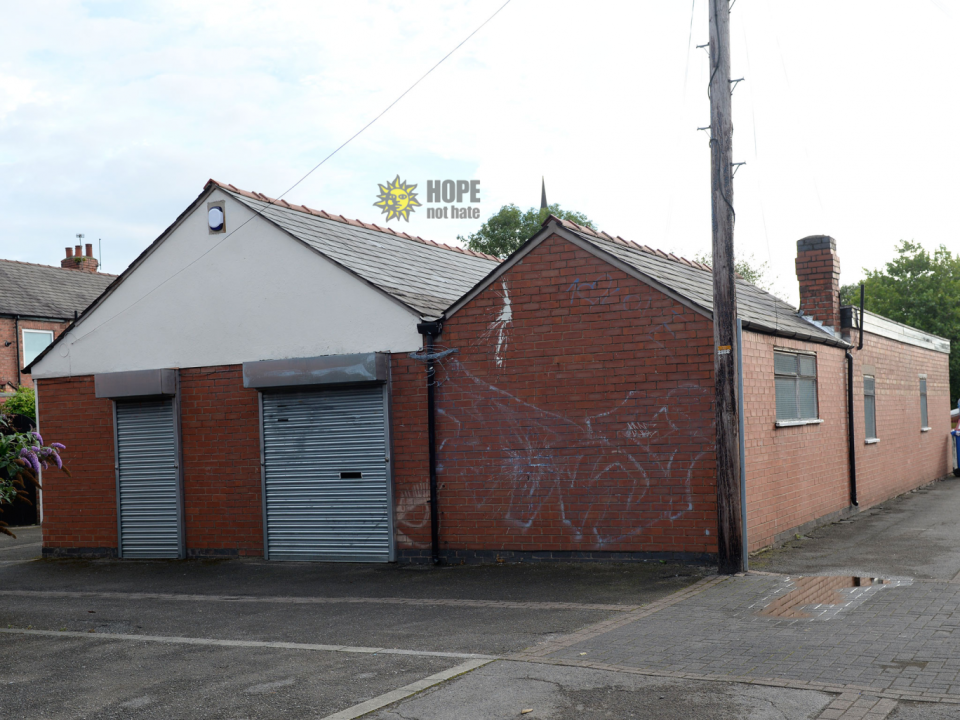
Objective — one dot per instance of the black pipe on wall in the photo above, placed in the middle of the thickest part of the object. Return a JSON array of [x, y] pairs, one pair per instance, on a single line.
[[851, 438], [430, 330]]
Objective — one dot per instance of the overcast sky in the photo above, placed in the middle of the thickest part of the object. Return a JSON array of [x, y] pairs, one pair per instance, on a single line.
[[114, 114]]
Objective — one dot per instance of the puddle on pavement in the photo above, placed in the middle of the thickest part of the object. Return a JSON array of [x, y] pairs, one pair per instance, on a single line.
[[823, 597]]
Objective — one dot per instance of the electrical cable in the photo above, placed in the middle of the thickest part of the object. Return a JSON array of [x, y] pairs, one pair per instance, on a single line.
[[756, 176], [683, 108], [274, 201]]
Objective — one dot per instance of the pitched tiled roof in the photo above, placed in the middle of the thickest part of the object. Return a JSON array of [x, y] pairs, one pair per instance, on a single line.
[[422, 274], [47, 292], [758, 309]]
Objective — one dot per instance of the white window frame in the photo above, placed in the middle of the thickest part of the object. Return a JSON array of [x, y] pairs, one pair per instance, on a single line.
[[816, 383], [23, 342], [875, 438], [924, 406]]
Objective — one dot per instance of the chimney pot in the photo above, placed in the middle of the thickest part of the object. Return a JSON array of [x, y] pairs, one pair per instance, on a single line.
[[69, 252], [78, 251], [89, 250]]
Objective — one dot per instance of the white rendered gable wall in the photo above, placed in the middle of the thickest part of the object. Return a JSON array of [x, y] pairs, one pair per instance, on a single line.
[[259, 295]]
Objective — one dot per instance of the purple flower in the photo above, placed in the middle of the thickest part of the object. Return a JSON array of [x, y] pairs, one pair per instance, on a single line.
[[58, 446], [58, 461], [31, 457], [37, 436]]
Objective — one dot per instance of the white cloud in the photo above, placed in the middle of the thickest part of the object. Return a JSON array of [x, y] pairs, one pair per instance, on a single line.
[[112, 116]]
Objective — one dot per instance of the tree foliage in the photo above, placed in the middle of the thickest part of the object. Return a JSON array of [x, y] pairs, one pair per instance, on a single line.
[[23, 402], [510, 227], [746, 267], [921, 290]]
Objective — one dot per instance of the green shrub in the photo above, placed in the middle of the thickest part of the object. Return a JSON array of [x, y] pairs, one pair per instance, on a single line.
[[23, 402]]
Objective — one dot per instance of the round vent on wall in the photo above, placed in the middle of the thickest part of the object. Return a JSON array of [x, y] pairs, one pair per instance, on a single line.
[[215, 219]]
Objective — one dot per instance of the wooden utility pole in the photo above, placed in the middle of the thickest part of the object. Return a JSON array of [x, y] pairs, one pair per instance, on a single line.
[[729, 525]]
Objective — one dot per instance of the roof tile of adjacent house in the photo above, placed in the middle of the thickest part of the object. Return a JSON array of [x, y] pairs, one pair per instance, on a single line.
[[44, 291]]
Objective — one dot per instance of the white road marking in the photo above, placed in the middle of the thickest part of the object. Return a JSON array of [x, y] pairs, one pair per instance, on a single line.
[[406, 691], [173, 640]]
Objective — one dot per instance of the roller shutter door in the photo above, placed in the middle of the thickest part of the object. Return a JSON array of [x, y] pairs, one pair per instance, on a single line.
[[148, 480], [325, 477]]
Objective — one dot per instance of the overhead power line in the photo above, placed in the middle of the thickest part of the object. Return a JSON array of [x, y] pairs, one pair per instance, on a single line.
[[277, 199]]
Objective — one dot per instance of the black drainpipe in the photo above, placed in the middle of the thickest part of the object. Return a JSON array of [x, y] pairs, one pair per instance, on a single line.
[[851, 435], [430, 330], [16, 329]]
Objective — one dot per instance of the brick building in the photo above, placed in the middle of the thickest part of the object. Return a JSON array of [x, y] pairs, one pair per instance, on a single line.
[[36, 303], [259, 382]]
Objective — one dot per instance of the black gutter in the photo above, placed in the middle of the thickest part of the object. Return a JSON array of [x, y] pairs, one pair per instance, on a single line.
[[430, 330]]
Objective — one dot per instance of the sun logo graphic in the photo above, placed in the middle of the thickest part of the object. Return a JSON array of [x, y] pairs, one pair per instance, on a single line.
[[397, 199]]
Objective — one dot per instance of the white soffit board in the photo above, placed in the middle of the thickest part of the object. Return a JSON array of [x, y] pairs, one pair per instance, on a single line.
[[258, 295], [879, 325]]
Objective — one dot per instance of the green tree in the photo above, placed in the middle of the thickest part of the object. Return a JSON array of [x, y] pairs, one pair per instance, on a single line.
[[921, 290], [23, 402], [746, 267], [510, 227]]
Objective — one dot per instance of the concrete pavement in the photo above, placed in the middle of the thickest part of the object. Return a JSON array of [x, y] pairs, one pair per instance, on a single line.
[[859, 620]]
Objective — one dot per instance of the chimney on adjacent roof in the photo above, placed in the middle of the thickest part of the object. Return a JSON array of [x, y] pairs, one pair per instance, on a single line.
[[818, 270], [76, 260]]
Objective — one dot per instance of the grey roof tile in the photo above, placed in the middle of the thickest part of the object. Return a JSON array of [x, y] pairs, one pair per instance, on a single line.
[[757, 308], [47, 292], [423, 275]]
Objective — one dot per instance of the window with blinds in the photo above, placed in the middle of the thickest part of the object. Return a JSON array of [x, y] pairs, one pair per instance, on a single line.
[[870, 406], [795, 375], [924, 425]]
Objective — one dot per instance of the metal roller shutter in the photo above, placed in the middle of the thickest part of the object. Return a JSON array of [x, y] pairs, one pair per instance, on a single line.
[[148, 480], [325, 476]]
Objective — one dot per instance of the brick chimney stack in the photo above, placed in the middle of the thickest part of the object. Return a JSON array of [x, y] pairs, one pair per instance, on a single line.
[[76, 260], [818, 270]]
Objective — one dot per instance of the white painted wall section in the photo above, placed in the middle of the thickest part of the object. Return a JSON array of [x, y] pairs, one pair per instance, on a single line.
[[258, 295]]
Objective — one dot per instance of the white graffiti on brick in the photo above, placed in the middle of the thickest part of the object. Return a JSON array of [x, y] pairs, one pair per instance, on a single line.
[[595, 480]]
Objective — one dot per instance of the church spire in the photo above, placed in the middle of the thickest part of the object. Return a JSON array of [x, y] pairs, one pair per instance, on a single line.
[[543, 193]]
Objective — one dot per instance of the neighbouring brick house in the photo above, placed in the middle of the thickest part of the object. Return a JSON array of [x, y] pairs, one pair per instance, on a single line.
[[36, 303], [256, 383]]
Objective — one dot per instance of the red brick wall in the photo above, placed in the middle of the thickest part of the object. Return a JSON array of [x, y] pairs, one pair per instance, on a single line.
[[904, 458], [79, 511], [8, 353], [796, 475], [410, 455], [220, 429], [579, 417], [221, 464]]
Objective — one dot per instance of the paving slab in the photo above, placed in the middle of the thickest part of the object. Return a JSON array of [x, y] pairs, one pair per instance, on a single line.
[[506, 689], [914, 535], [924, 711], [901, 638]]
